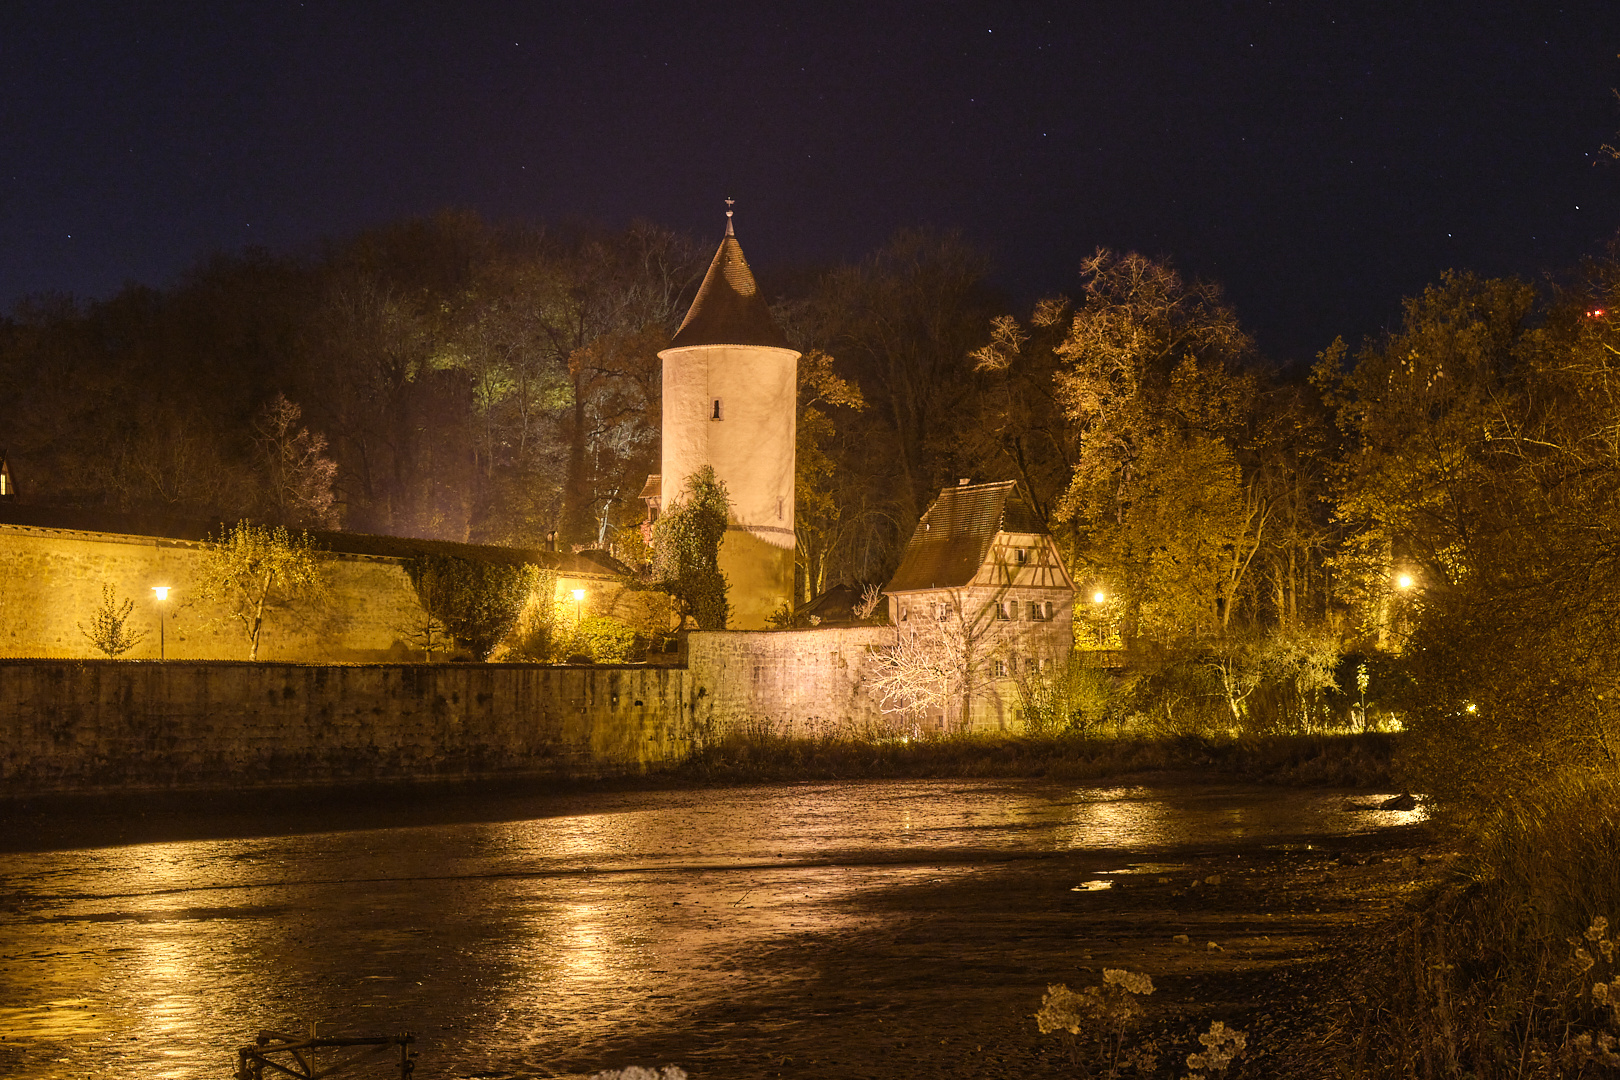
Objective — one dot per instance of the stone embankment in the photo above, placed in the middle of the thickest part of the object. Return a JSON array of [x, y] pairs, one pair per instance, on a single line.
[[72, 726]]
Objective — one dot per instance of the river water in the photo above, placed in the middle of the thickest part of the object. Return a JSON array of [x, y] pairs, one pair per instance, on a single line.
[[573, 931]]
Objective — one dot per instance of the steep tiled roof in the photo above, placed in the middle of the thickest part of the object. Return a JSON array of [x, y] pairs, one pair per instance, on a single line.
[[953, 538], [729, 309]]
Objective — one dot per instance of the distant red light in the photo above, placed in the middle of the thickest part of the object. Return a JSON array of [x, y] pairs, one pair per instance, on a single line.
[[1595, 313]]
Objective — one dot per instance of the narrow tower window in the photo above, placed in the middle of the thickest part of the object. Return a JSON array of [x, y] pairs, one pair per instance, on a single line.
[[716, 413], [781, 508]]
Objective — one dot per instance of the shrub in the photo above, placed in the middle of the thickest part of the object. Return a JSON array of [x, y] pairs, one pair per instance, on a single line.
[[109, 630], [1070, 698], [1097, 1020], [600, 638], [478, 602], [1180, 697], [686, 550], [1507, 970]]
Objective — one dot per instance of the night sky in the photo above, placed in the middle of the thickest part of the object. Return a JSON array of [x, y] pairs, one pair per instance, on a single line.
[[1320, 160]]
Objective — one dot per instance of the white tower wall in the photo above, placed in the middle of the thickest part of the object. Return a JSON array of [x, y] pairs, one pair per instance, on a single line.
[[751, 446]]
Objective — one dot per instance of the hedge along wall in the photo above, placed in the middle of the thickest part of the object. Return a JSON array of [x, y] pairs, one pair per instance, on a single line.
[[107, 725]]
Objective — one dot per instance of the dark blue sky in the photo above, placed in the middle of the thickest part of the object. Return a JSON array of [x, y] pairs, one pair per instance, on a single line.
[[1320, 160]]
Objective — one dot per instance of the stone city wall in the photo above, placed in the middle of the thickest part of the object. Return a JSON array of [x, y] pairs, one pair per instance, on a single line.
[[51, 582], [51, 579], [109, 725], [793, 682], [117, 725]]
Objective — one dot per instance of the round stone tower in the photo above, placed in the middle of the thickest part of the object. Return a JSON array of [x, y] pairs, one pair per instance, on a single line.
[[730, 401]]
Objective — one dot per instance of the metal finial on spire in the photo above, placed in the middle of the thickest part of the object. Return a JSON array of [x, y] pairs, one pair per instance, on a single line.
[[728, 217]]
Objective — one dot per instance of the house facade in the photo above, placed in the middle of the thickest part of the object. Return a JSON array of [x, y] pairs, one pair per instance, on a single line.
[[982, 574]]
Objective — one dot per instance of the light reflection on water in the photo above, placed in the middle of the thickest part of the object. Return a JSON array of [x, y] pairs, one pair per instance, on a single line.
[[518, 940]]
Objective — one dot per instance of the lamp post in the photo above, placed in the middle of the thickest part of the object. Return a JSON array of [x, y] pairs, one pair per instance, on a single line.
[[162, 592], [579, 599]]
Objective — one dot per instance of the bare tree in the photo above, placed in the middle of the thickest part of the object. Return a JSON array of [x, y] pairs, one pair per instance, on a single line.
[[298, 474], [934, 667]]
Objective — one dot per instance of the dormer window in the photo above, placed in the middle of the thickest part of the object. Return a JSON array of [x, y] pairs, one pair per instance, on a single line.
[[1020, 555], [717, 412]]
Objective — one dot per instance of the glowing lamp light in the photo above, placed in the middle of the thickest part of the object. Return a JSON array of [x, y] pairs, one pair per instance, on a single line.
[[1472, 707], [1404, 581], [1099, 597], [1595, 313], [162, 594], [579, 595]]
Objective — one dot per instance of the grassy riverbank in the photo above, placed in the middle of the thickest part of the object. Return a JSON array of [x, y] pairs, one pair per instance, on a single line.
[[1507, 968], [1360, 760]]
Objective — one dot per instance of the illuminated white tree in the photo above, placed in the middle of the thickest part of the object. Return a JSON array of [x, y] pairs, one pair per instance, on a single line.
[[934, 665]]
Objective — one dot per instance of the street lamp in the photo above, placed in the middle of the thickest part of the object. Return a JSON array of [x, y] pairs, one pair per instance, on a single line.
[[579, 598], [1403, 582], [1099, 597], [162, 592]]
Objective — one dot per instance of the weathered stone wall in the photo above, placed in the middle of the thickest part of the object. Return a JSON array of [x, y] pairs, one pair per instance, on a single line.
[[796, 682], [114, 725], [51, 579]]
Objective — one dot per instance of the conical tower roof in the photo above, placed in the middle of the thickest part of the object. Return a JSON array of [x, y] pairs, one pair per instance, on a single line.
[[728, 309]]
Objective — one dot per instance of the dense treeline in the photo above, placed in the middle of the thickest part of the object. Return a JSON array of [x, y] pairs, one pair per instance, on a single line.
[[441, 378], [1242, 529]]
